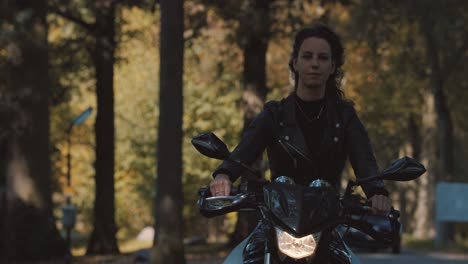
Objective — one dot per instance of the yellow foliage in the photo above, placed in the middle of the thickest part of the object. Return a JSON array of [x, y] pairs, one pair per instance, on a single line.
[[378, 78]]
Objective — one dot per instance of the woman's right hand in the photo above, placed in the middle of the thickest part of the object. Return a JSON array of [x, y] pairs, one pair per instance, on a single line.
[[221, 185]]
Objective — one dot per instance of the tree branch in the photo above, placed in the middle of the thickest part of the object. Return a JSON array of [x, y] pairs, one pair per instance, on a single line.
[[74, 19]]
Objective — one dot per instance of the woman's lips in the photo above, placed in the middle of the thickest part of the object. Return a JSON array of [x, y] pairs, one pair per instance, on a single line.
[[314, 75]]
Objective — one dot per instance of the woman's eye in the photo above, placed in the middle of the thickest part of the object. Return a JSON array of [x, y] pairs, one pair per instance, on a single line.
[[323, 57]]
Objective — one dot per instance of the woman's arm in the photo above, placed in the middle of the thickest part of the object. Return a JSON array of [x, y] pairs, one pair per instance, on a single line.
[[364, 164], [361, 155], [253, 142]]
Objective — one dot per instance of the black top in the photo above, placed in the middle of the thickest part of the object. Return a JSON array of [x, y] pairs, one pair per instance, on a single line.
[[310, 116]]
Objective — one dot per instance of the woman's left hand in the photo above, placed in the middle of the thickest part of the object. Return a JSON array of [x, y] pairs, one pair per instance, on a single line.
[[381, 204]]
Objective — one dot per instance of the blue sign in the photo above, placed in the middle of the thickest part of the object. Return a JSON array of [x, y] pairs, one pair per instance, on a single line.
[[82, 117], [451, 202]]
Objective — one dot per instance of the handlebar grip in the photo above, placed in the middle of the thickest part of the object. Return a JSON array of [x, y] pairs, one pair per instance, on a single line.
[[243, 196], [392, 214], [204, 192], [364, 207], [356, 204]]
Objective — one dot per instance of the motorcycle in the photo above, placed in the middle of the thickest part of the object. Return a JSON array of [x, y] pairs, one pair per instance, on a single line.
[[304, 223]]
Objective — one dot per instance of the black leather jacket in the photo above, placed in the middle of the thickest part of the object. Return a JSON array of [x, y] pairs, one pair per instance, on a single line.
[[276, 129]]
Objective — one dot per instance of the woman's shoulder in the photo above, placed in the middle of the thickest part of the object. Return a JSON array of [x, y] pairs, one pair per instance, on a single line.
[[275, 109], [275, 105], [346, 104], [347, 109]]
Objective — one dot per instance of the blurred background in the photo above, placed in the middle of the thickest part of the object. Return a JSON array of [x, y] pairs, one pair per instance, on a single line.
[[80, 108]]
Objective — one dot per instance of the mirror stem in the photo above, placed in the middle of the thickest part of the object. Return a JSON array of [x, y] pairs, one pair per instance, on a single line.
[[368, 179]]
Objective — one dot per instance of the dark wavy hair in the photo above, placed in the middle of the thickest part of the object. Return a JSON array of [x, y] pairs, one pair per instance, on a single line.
[[322, 31]]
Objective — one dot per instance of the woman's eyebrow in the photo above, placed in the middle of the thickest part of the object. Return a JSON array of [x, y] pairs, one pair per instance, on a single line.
[[320, 52]]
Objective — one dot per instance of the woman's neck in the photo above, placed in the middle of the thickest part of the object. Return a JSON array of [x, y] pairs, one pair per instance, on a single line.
[[310, 94]]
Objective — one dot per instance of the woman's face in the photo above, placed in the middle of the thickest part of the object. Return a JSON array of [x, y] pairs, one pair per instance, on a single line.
[[314, 64]]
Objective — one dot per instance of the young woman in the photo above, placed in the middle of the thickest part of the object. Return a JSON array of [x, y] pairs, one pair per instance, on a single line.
[[317, 120]]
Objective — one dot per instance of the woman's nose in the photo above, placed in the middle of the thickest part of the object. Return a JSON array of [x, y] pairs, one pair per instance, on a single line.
[[315, 62]]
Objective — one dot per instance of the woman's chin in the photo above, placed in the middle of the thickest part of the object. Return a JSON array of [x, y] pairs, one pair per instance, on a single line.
[[314, 86]]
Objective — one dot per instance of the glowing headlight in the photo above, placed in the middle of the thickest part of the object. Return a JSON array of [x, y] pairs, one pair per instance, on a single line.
[[296, 247]]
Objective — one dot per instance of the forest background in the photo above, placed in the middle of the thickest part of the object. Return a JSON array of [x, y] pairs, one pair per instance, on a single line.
[[405, 71]]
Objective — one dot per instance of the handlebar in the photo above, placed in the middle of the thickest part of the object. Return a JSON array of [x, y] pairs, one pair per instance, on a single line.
[[357, 205], [242, 197], [355, 210]]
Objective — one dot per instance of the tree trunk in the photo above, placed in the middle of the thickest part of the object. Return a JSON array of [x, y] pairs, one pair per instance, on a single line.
[[28, 225], [443, 118], [253, 37], [445, 150], [103, 238], [408, 191], [424, 218], [437, 151], [168, 246]]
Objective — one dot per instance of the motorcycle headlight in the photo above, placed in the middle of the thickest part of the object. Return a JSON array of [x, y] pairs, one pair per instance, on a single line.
[[296, 247]]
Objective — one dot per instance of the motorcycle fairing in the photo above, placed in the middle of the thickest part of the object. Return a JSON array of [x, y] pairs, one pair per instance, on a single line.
[[235, 257], [339, 252], [301, 209]]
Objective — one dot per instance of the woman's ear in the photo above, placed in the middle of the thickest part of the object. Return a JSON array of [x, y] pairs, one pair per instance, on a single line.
[[294, 62], [333, 67]]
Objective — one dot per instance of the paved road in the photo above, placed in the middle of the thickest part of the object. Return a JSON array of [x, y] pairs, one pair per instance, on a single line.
[[414, 258], [387, 258]]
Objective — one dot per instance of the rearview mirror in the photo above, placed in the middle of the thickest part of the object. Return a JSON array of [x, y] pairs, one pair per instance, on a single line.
[[211, 146], [403, 169]]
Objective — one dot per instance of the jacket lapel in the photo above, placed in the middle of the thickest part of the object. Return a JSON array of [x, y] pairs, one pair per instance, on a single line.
[[291, 132], [332, 134]]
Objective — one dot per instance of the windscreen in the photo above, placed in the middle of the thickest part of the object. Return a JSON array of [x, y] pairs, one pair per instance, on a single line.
[[301, 209]]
